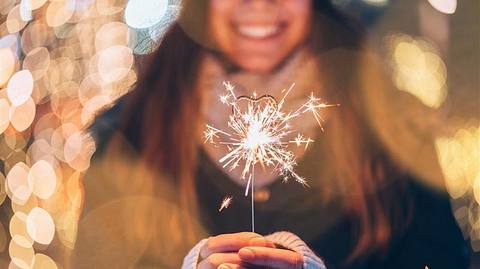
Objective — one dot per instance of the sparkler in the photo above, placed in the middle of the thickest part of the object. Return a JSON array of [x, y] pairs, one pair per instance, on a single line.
[[260, 133]]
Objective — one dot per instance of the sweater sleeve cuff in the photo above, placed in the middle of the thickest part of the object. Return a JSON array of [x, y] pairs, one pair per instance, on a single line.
[[191, 260], [291, 241]]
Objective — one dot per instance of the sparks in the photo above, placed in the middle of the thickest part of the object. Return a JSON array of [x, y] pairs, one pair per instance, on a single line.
[[300, 140], [227, 201], [260, 133]]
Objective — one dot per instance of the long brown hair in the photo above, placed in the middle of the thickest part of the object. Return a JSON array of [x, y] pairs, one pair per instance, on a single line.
[[162, 118]]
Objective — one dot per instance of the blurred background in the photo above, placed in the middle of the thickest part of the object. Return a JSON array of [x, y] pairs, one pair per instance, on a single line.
[[61, 61]]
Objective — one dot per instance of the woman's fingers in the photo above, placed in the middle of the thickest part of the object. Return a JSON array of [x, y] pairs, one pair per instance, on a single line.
[[216, 259], [237, 266], [271, 258], [230, 266], [232, 243]]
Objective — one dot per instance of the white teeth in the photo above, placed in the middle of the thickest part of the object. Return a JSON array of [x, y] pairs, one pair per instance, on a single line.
[[258, 31]]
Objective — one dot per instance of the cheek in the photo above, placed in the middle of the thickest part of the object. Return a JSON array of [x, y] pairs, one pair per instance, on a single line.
[[300, 26], [301, 11], [298, 7], [218, 22]]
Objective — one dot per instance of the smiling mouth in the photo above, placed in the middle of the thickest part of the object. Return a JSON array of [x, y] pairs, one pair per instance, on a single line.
[[260, 31]]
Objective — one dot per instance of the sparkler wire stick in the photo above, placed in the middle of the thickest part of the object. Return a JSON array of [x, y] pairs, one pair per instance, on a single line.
[[252, 199]]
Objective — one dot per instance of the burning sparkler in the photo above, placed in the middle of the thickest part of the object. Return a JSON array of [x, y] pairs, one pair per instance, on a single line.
[[227, 201], [260, 134]]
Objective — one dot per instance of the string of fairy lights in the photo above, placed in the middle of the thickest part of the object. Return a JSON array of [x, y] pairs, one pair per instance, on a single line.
[[61, 61]]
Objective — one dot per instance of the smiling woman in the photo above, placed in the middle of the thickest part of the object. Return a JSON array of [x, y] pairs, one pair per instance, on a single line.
[[153, 190]]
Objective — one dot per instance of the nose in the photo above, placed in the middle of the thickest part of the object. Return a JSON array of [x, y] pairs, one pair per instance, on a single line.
[[259, 4], [258, 9]]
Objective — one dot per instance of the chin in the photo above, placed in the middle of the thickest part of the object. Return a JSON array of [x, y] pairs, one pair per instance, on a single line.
[[257, 65]]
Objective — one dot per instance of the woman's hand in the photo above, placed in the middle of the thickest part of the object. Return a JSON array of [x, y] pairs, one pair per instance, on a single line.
[[265, 257], [224, 249]]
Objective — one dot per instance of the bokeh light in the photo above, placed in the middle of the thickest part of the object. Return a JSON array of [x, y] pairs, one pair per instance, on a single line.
[[114, 63], [109, 7], [40, 226], [20, 87], [18, 229], [418, 69], [459, 157], [42, 261], [444, 6], [35, 4], [111, 34], [146, 32], [22, 256], [143, 14], [4, 118], [8, 65], [37, 34], [37, 61], [26, 10], [17, 183], [59, 12], [22, 116], [10, 42], [15, 22], [42, 179]]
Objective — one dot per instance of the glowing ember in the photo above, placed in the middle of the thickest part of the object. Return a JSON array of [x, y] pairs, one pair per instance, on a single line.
[[227, 201]]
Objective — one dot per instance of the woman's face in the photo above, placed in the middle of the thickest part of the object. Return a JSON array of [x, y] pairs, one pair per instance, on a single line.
[[258, 34]]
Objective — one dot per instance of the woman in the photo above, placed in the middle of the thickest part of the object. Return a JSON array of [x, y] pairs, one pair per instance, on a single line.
[[375, 198]]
